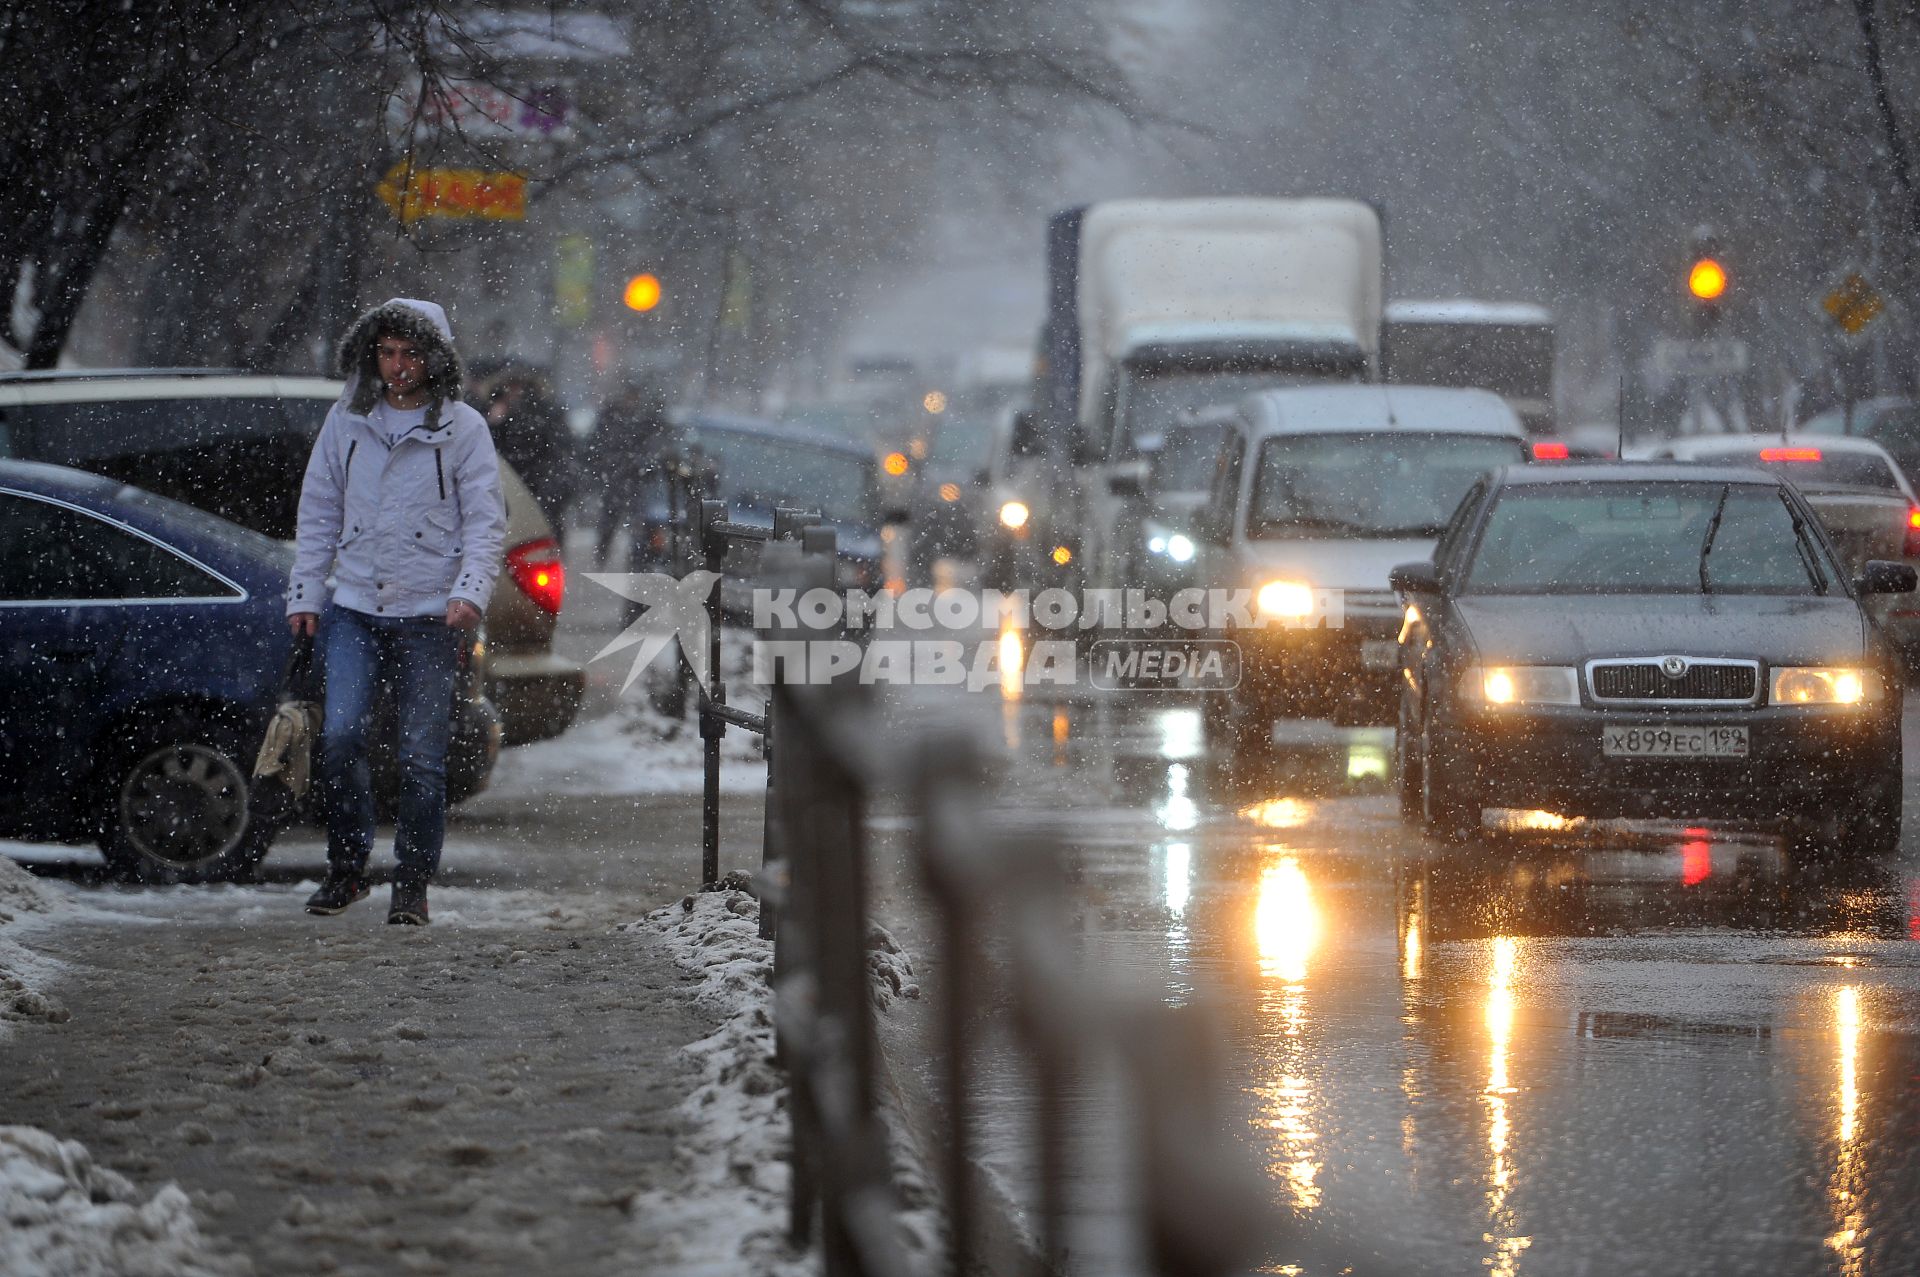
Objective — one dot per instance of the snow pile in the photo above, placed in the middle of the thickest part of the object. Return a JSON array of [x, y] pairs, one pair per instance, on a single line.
[[634, 750], [66, 1216], [889, 966], [724, 1209], [24, 901]]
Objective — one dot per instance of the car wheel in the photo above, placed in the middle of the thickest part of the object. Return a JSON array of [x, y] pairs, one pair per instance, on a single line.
[[178, 807], [1448, 808], [1409, 786]]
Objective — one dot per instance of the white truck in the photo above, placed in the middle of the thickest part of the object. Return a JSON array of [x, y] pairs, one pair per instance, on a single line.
[[1160, 307]]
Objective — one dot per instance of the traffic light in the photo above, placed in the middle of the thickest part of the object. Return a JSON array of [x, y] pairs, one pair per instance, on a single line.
[[643, 293], [1707, 280]]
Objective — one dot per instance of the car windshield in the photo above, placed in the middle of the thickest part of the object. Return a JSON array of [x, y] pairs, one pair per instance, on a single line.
[[1187, 460], [1815, 467], [765, 473], [1368, 484], [1153, 403], [1645, 538]]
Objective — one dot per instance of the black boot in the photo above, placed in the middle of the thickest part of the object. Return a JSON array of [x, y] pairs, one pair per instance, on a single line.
[[342, 888], [409, 906]]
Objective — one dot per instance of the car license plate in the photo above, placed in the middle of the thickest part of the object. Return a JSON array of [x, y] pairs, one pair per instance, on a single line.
[[1674, 742], [1380, 654]]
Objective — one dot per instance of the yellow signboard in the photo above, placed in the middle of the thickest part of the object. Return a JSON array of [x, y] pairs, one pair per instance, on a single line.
[[1853, 304], [453, 192]]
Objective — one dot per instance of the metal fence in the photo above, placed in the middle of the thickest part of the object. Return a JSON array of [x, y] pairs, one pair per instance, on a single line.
[[1005, 954]]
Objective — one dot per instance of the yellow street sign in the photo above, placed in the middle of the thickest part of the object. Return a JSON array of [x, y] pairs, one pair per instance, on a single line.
[[1853, 304], [453, 192]]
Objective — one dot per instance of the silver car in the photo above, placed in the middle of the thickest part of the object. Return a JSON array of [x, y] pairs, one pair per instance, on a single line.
[[1320, 493]]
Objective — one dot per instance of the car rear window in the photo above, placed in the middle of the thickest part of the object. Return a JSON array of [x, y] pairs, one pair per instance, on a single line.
[[239, 458], [1644, 538], [1815, 467], [774, 472], [1369, 484]]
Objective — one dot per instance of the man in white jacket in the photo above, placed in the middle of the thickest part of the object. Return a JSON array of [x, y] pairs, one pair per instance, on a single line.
[[402, 505]]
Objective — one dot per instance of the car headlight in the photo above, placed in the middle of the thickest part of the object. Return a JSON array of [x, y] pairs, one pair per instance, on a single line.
[[1014, 514], [1284, 600], [1525, 685], [1822, 685], [1156, 544], [1179, 548]]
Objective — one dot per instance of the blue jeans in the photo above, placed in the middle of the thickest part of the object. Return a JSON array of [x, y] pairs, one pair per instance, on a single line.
[[418, 657]]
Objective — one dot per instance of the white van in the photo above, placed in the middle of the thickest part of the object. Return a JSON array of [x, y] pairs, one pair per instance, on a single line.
[[1322, 491]]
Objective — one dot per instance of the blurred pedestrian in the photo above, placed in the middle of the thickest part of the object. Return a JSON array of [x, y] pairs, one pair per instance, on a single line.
[[532, 435], [632, 439], [402, 506]]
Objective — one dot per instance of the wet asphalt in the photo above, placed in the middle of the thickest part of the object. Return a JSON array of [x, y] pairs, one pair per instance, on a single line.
[[1553, 1049]]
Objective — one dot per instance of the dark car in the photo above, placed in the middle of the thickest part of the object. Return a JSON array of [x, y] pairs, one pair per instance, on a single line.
[[1624, 640], [756, 466], [141, 648]]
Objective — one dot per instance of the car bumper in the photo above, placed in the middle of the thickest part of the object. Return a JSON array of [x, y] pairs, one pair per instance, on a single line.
[[538, 695], [1352, 672], [1801, 761]]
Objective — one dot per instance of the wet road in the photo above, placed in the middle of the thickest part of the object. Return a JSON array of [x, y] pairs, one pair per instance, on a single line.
[[1553, 1050]]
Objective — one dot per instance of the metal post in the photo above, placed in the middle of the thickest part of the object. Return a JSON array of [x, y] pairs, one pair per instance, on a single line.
[[712, 726]]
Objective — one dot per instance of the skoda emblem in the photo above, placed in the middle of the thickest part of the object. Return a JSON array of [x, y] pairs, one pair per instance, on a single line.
[[1673, 666]]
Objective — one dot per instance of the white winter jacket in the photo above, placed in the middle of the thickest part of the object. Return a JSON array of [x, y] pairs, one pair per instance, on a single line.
[[402, 529]]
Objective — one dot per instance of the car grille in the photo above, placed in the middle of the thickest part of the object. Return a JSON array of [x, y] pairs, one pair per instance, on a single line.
[[1702, 681]]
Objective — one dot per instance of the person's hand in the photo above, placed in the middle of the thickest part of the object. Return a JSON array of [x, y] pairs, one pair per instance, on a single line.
[[462, 615], [303, 624]]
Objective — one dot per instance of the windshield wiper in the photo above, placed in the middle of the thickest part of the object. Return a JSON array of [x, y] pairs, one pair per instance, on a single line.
[[1314, 522], [1713, 529], [1804, 548]]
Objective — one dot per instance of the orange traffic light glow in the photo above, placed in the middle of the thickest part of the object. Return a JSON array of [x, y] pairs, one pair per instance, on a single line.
[[643, 293], [1707, 280]]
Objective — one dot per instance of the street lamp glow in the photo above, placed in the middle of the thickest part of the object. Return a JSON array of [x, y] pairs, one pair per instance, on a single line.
[[643, 293]]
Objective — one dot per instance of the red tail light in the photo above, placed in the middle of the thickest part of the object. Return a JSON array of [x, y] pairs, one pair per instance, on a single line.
[[1911, 550], [1550, 452], [538, 571], [1789, 454]]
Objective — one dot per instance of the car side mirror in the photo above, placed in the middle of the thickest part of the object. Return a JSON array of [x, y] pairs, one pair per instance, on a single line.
[[1416, 578], [1881, 576], [1129, 479], [1026, 441]]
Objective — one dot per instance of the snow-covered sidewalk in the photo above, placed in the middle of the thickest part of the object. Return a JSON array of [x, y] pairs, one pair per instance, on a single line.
[[207, 1080]]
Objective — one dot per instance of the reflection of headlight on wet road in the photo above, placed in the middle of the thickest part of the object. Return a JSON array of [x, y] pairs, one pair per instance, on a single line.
[[1284, 599]]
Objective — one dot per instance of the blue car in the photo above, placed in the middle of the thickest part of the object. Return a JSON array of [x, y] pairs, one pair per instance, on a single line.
[[142, 644]]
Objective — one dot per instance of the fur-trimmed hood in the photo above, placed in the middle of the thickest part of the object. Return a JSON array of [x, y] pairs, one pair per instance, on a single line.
[[423, 323]]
